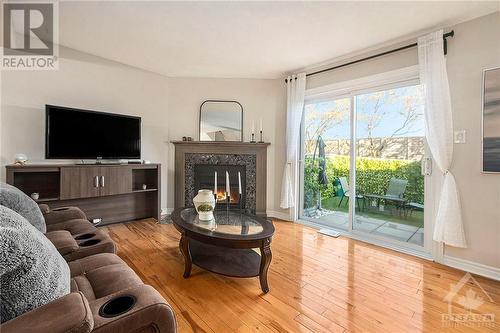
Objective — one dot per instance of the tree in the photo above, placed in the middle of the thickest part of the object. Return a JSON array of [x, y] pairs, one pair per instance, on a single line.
[[373, 108], [320, 117]]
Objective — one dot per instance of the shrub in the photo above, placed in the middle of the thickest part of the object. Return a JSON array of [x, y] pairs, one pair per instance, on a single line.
[[372, 177]]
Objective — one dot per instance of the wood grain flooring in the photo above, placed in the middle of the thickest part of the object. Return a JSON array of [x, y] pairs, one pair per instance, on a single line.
[[318, 284]]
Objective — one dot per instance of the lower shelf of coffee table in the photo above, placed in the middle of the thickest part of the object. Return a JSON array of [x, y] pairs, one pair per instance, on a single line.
[[225, 261]]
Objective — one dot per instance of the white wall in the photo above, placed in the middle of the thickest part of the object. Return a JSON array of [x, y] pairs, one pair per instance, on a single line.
[[82, 81], [476, 46], [260, 99], [169, 108]]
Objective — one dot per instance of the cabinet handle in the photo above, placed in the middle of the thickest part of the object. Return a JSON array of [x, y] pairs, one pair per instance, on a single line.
[[96, 181], [102, 181]]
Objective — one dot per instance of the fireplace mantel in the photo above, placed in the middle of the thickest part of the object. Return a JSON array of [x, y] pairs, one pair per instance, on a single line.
[[259, 150]]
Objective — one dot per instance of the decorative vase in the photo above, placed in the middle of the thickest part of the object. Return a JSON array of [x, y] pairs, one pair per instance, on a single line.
[[204, 202]]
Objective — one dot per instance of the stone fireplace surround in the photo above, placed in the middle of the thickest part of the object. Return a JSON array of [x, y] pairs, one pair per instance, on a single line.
[[247, 161], [252, 155]]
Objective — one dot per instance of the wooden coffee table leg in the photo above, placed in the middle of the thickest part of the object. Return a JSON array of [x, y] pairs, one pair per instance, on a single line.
[[266, 256], [184, 247]]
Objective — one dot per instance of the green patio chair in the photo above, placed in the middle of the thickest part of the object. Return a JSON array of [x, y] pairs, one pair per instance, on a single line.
[[345, 192]]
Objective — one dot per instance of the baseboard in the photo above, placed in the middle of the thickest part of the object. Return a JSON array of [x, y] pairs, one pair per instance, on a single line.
[[472, 267], [278, 215]]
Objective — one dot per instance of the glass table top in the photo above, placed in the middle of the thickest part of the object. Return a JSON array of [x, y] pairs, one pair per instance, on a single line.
[[224, 222]]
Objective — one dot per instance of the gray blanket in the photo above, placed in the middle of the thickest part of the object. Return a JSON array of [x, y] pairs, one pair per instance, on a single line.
[[32, 272], [13, 198]]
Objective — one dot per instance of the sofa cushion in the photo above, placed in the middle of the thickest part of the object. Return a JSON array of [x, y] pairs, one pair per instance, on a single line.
[[32, 272], [101, 275], [74, 227], [13, 198], [63, 241]]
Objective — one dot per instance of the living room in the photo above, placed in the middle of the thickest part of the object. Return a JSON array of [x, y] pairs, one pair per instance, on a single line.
[[250, 166]]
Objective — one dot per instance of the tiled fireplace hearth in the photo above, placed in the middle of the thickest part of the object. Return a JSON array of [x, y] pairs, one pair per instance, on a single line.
[[196, 164]]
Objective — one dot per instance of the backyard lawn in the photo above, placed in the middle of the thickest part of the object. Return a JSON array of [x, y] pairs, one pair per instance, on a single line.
[[389, 214]]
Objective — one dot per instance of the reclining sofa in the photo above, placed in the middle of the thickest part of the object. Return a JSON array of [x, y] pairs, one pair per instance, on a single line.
[[105, 295]]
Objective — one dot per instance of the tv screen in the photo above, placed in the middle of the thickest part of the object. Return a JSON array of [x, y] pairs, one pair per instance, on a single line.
[[83, 134]]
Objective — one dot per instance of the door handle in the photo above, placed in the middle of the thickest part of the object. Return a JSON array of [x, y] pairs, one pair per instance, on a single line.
[[96, 181], [426, 167], [102, 181]]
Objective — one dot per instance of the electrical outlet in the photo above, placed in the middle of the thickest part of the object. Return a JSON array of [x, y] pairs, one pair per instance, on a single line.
[[459, 136]]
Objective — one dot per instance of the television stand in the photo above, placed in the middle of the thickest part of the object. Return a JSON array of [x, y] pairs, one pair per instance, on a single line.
[[111, 192]]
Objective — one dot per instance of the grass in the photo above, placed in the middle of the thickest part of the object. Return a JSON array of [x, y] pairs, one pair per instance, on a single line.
[[390, 214]]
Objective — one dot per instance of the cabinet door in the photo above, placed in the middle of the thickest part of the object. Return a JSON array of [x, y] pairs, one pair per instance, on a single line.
[[79, 182], [115, 180]]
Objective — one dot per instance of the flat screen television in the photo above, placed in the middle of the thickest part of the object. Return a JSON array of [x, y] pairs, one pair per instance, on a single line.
[[83, 134]]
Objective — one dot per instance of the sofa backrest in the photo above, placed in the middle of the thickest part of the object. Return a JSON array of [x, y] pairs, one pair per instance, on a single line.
[[32, 272]]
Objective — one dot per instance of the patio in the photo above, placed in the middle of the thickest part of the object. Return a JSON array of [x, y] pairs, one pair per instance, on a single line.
[[388, 223]]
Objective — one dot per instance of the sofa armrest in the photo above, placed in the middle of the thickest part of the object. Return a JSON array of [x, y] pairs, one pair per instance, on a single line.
[[150, 313], [61, 214], [67, 314]]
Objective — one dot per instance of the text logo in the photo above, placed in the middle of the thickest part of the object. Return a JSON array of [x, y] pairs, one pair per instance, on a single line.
[[29, 36]]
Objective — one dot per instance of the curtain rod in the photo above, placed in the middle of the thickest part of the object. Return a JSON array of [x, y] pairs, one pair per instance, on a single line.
[[445, 46]]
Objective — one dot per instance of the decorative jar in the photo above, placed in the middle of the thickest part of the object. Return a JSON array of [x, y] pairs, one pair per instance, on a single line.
[[204, 202]]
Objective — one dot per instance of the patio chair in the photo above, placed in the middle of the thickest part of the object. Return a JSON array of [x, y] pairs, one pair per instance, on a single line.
[[345, 192], [395, 193]]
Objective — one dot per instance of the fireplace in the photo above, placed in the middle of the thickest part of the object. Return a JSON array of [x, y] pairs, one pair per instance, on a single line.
[[204, 178], [196, 163]]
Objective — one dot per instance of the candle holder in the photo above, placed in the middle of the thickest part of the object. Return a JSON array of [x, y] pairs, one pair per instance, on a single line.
[[253, 138], [261, 139]]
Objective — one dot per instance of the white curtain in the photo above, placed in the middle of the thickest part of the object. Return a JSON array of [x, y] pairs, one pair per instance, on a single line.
[[295, 86], [439, 130]]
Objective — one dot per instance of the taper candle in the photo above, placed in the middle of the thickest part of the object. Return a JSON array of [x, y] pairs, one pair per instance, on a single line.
[[228, 187], [239, 182], [215, 183], [253, 126], [261, 124]]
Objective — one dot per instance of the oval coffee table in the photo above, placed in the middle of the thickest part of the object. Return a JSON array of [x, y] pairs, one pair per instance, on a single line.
[[225, 244]]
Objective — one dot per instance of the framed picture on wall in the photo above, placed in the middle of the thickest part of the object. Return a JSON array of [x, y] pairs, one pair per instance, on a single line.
[[491, 120]]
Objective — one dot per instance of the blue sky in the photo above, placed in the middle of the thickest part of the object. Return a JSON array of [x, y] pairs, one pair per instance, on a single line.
[[390, 117]]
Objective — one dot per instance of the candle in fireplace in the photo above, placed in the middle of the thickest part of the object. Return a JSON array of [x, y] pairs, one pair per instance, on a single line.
[[228, 186], [239, 182], [215, 183]]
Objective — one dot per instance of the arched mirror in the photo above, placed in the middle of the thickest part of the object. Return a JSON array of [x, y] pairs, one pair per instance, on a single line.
[[221, 121]]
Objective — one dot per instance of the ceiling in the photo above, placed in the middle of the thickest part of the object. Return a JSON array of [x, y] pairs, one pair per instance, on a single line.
[[246, 39]]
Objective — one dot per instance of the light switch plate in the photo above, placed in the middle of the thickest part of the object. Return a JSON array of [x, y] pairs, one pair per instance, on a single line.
[[459, 136]]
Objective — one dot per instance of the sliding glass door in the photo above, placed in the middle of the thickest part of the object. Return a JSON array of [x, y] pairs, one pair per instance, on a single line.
[[362, 163], [326, 159]]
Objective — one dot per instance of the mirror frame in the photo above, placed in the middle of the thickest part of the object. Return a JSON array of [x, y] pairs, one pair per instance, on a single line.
[[223, 101]]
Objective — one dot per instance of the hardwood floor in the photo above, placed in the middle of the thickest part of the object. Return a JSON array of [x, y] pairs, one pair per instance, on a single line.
[[318, 284]]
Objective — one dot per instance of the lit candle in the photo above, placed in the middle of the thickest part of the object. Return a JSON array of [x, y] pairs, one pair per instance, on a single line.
[[228, 190], [261, 124], [239, 181], [253, 126], [215, 183]]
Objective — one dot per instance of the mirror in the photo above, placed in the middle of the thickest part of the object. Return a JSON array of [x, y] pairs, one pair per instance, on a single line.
[[221, 121]]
